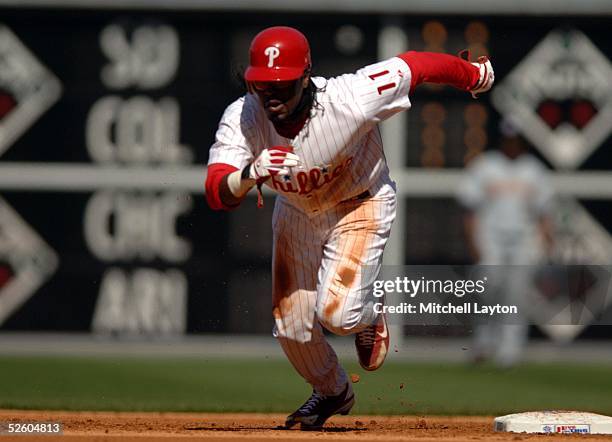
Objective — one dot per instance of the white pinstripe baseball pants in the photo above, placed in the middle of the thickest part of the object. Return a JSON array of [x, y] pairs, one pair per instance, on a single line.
[[320, 278]]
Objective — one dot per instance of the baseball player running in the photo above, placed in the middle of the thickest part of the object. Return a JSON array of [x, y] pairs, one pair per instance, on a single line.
[[316, 142]]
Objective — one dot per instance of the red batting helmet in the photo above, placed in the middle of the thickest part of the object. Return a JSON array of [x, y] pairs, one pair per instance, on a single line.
[[279, 53]]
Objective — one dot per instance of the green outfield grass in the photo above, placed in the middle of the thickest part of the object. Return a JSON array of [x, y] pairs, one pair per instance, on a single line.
[[78, 383]]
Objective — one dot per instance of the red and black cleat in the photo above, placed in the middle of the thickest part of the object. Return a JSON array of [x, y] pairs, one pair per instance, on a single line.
[[372, 345]]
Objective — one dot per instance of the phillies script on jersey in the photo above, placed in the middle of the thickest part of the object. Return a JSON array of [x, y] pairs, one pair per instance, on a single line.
[[315, 179]]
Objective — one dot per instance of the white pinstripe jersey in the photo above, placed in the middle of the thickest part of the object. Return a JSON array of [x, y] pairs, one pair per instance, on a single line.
[[340, 147]]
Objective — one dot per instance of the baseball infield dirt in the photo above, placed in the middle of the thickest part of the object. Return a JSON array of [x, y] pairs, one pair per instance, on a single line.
[[167, 427]]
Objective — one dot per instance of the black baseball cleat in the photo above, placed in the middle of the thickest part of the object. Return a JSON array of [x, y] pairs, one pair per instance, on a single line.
[[372, 344], [316, 410]]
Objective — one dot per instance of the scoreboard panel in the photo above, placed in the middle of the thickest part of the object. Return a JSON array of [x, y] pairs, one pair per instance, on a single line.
[[141, 91]]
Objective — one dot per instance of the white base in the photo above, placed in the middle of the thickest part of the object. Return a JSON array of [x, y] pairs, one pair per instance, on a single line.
[[557, 422]]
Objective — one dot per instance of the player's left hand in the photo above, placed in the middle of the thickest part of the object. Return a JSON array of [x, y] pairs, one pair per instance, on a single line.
[[487, 76]]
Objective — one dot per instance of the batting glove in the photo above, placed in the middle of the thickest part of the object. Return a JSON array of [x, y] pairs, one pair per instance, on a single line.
[[487, 76], [277, 160]]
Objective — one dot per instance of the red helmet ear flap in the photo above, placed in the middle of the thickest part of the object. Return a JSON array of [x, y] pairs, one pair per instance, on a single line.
[[278, 53]]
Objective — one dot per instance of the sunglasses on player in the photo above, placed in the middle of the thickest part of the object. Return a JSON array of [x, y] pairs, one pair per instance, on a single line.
[[273, 86]]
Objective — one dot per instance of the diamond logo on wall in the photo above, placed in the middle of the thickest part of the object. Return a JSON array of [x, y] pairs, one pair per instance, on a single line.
[[579, 239], [560, 98], [27, 88], [26, 261]]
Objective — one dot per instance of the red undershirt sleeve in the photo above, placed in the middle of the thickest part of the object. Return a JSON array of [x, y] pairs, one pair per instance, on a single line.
[[432, 67], [214, 174]]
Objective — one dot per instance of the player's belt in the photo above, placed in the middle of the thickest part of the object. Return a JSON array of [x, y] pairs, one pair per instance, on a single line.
[[361, 196]]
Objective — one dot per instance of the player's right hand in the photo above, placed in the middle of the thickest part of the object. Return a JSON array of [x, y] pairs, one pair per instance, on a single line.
[[277, 160]]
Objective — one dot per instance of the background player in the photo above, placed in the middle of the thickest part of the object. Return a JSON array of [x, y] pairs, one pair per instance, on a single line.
[[316, 142], [507, 195]]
